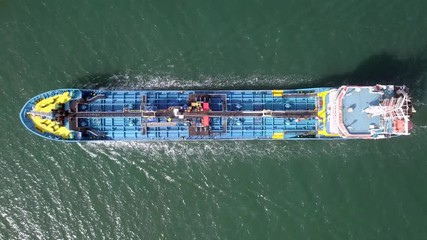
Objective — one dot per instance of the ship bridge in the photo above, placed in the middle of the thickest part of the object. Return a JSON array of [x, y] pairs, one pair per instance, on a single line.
[[371, 112]]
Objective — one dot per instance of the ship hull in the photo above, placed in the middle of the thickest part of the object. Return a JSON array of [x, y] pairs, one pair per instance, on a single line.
[[84, 115]]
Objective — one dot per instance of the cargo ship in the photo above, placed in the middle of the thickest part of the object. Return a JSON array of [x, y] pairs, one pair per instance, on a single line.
[[346, 112]]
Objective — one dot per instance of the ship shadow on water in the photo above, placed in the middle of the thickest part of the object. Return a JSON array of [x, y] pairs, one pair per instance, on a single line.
[[385, 68]]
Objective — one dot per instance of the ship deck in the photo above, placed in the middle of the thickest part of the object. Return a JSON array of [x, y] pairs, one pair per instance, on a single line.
[[379, 111], [149, 115]]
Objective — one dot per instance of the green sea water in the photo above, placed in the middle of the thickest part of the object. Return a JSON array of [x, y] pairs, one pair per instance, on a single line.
[[211, 190]]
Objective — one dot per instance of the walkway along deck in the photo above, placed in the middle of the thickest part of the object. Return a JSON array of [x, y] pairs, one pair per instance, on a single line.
[[169, 113]]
